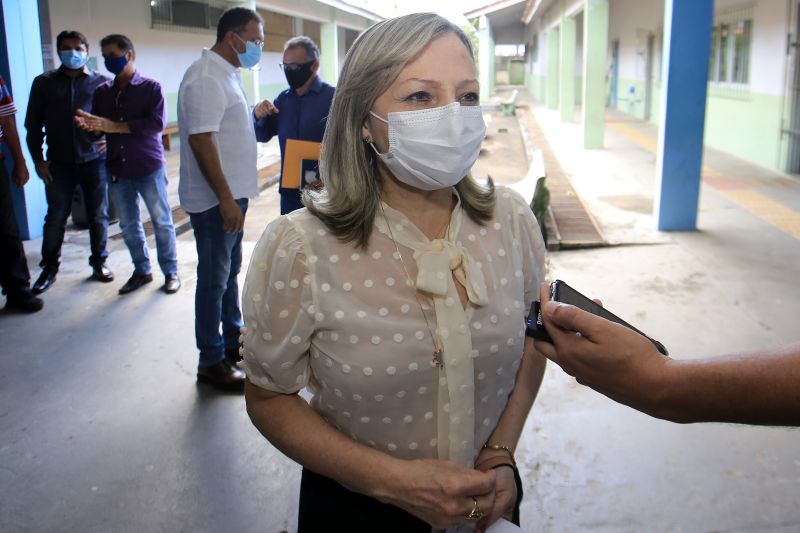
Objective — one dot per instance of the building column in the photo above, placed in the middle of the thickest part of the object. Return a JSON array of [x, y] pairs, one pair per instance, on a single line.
[[566, 54], [595, 48], [687, 45], [329, 50], [485, 57], [20, 63], [551, 88]]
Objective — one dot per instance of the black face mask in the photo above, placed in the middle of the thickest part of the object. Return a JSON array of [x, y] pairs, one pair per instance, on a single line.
[[297, 78]]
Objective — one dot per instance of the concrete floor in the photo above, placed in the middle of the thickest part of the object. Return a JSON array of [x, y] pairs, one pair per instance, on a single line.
[[103, 427]]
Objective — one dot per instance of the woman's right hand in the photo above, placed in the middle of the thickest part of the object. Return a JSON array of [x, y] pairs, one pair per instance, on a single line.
[[439, 492]]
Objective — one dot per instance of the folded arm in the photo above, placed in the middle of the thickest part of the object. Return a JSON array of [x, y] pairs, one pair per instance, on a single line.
[[438, 492]]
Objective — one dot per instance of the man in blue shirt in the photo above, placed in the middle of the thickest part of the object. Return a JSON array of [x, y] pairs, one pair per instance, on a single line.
[[300, 112], [75, 157]]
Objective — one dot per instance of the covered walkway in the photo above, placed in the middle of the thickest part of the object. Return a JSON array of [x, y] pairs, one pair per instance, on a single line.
[[104, 428]]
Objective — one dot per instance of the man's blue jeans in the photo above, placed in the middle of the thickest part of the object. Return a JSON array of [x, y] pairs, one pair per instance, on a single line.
[[219, 260], [91, 177], [152, 188]]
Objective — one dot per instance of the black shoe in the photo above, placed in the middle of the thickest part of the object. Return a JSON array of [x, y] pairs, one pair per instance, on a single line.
[[46, 278], [232, 356], [221, 376], [102, 273], [172, 283], [136, 281], [24, 301]]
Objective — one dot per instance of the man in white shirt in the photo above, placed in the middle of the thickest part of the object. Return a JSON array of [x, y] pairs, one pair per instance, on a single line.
[[218, 175]]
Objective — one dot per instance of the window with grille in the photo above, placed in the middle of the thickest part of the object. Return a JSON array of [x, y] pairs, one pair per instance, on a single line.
[[187, 15], [731, 43]]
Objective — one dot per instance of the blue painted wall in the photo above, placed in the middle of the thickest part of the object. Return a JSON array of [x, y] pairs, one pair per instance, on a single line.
[[20, 63]]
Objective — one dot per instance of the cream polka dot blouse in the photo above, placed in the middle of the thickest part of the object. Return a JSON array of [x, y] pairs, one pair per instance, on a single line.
[[345, 323]]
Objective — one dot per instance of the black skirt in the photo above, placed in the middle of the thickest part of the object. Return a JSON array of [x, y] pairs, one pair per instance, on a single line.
[[326, 506]]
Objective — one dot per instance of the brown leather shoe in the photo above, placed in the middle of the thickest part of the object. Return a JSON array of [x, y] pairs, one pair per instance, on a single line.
[[171, 283], [221, 376], [136, 281]]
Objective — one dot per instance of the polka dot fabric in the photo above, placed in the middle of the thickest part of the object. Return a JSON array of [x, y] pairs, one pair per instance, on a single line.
[[344, 322]]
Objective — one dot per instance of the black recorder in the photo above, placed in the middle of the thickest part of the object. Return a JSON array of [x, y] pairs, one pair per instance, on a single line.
[[561, 292]]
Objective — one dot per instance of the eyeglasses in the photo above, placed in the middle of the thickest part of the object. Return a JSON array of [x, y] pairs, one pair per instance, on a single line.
[[260, 44], [293, 67]]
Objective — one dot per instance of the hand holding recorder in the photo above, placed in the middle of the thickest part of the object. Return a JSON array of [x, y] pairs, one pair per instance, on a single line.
[[758, 387]]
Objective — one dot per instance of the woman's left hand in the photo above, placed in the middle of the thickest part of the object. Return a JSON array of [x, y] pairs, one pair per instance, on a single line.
[[505, 497]]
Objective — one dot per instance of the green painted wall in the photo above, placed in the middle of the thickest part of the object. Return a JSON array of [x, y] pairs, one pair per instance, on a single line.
[[631, 102], [552, 69], [566, 67], [655, 110], [760, 142], [747, 127]]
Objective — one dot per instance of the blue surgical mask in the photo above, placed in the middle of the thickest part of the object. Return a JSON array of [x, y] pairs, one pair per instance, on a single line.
[[73, 59], [115, 65], [251, 55]]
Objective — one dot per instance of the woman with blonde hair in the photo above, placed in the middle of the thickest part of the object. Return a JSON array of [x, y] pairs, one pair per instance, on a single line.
[[398, 297]]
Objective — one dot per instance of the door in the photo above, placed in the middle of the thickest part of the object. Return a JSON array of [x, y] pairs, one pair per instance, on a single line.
[[614, 73], [793, 163], [648, 76]]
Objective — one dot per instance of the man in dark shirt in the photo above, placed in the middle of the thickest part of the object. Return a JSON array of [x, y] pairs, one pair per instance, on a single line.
[[74, 157], [130, 111], [300, 112], [14, 276]]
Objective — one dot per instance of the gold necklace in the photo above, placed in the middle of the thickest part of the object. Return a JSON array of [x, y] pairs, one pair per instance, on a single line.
[[438, 350]]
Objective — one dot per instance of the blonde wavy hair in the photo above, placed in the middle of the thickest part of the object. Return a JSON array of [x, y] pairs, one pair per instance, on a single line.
[[349, 168]]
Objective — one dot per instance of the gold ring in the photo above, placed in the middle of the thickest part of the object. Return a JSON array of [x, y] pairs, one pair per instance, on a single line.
[[475, 513]]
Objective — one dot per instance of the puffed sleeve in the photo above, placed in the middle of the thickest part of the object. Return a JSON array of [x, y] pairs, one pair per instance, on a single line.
[[275, 302], [531, 246]]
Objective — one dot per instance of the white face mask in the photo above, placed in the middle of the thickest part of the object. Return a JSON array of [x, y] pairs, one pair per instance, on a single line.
[[433, 149]]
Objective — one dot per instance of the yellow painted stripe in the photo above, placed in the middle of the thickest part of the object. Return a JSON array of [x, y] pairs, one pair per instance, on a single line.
[[767, 209], [770, 211], [643, 140]]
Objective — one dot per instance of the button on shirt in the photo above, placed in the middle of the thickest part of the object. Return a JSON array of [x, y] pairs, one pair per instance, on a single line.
[[346, 323], [299, 117], [141, 105], [211, 99], [51, 112]]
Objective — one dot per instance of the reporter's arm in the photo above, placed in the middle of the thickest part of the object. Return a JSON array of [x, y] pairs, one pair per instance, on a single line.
[[759, 387]]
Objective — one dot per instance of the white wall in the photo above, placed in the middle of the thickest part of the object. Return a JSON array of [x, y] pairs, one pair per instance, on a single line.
[[768, 53], [630, 21], [162, 55], [165, 55]]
